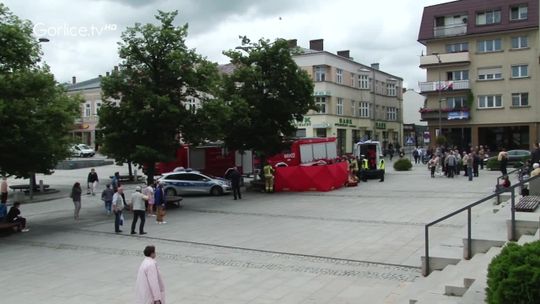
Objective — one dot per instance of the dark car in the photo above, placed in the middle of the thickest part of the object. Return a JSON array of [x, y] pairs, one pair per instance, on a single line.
[[515, 157]]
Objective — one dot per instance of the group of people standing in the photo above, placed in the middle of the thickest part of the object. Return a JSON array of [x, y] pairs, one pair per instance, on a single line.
[[451, 161], [150, 200]]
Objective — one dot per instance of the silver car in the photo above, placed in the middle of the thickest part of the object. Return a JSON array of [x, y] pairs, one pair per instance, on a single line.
[[193, 182]]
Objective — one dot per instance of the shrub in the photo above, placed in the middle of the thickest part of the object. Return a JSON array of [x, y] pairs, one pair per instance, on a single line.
[[402, 164], [514, 275], [441, 140]]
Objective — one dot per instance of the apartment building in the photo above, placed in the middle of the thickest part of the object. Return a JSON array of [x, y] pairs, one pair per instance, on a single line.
[[354, 101], [482, 66]]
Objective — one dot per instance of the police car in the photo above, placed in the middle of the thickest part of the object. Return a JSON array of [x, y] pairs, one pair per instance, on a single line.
[[193, 182]]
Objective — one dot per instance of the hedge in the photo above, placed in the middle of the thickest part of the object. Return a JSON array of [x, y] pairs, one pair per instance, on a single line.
[[402, 164]]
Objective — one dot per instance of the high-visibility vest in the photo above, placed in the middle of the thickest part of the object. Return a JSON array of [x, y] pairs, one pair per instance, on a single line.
[[381, 164], [365, 164], [354, 165], [268, 170]]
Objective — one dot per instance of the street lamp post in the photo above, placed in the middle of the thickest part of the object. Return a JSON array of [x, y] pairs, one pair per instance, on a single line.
[[439, 89]]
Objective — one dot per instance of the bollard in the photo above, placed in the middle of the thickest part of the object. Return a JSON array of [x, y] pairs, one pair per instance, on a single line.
[[41, 186], [135, 174]]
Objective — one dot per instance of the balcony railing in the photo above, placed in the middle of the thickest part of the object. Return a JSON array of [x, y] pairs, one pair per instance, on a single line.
[[450, 30], [446, 58], [446, 114], [444, 85]]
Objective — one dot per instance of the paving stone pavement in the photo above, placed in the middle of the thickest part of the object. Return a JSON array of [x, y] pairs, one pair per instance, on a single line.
[[352, 245]]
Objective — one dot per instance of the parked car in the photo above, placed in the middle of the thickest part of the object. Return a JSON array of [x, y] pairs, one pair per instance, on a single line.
[[82, 150], [193, 182], [515, 158]]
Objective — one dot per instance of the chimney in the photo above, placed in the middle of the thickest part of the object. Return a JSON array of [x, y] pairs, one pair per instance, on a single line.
[[115, 69], [346, 54], [73, 80], [316, 45], [99, 76], [292, 43], [375, 66], [107, 74]]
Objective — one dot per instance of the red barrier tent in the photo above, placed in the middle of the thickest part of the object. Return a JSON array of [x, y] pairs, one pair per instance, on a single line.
[[311, 178]]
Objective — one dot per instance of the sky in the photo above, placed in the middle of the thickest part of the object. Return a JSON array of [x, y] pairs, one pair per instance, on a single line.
[[84, 34]]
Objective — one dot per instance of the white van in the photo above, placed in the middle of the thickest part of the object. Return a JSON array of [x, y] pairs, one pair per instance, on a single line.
[[372, 151]]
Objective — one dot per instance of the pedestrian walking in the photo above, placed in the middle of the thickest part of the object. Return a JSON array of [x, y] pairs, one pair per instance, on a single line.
[[138, 207], [149, 192], [470, 166], [503, 161], [107, 198], [451, 163], [92, 182], [476, 163], [3, 190], [159, 201], [76, 192], [416, 155], [115, 181], [149, 287], [235, 177], [117, 208]]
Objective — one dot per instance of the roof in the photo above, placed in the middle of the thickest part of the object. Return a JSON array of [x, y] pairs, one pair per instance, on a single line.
[[94, 83]]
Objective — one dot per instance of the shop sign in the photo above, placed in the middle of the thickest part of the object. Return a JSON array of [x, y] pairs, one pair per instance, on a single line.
[[345, 122], [380, 125], [304, 123], [458, 115]]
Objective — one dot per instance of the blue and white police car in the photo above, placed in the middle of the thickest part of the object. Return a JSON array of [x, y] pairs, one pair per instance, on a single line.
[[193, 182]]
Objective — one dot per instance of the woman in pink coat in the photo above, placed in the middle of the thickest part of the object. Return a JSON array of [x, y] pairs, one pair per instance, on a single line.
[[149, 288]]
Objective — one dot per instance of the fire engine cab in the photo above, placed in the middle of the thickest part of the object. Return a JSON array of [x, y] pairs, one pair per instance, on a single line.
[[306, 151]]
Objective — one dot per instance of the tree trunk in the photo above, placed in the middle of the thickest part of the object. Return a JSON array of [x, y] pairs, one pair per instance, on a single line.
[[130, 171], [150, 173], [32, 184]]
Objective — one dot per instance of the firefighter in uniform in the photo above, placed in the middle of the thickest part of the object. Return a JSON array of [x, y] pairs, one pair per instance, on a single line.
[[381, 169], [268, 178]]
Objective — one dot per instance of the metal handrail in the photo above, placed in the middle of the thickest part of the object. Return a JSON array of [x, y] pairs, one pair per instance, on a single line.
[[469, 225]]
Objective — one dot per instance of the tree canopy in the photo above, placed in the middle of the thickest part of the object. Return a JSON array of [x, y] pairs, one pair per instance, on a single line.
[[36, 114], [266, 92], [157, 75]]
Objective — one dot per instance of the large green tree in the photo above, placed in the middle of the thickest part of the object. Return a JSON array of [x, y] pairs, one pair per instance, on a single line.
[[267, 92], [36, 114], [157, 75]]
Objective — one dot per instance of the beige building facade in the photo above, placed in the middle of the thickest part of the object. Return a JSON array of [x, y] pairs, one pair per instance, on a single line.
[[355, 101], [482, 65]]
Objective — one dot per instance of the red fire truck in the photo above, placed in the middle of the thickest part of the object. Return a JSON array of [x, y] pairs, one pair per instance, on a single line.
[[211, 159], [306, 151]]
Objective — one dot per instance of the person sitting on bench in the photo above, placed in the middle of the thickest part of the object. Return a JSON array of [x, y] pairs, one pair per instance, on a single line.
[[13, 216]]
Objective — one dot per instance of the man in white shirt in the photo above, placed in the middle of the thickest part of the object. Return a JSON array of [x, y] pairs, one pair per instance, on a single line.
[[139, 209], [117, 207]]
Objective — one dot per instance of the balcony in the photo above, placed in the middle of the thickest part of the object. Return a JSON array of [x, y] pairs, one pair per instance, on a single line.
[[450, 30], [446, 114], [444, 86], [446, 58]]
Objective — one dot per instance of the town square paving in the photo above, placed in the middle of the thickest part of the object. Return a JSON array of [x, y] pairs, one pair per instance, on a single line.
[[351, 245]]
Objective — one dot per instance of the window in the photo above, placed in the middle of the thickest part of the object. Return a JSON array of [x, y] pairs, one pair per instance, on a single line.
[[363, 81], [391, 89], [339, 76], [520, 99], [489, 101], [320, 132], [520, 71], [191, 104], [458, 75], [320, 102], [490, 73], [391, 113], [456, 102], [457, 47], [488, 17], [320, 73], [519, 12], [98, 106], [300, 133], [365, 109], [339, 106], [486, 46], [520, 42], [353, 79], [353, 108], [87, 110]]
